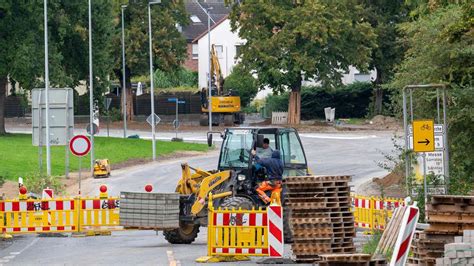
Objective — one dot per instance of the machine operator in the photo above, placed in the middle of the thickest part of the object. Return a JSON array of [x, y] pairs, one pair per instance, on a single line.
[[274, 167]]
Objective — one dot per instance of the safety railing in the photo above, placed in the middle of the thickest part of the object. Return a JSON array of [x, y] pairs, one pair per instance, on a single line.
[[103, 213], [255, 232], [373, 212], [58, 215]]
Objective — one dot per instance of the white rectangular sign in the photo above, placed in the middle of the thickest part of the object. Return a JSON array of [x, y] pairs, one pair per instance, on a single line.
[[434, 165]]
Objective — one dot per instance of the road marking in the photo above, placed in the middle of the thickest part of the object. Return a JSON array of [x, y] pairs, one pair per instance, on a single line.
[[172, 261], [13, 254], [321, 136]]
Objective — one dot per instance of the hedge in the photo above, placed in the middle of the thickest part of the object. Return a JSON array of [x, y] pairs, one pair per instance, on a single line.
[[350, 101]]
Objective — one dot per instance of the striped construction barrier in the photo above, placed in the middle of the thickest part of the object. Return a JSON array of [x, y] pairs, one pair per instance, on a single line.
[[373, 212], [38, 216], [100, 213], [58, 215], [405, 236], [241, 233], [275, 231]]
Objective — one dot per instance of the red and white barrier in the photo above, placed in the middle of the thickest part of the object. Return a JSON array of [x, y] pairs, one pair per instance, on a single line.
[[362, 203], [48, 193], [98, 212], [275, 230], [405, 236], [59, 215], [240, 219]]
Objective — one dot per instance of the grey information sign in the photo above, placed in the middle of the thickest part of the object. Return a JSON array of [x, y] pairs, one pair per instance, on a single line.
[[157, 119], [61, 116]]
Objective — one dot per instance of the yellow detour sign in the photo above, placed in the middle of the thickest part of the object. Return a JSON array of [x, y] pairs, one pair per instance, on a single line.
[[423, 136]]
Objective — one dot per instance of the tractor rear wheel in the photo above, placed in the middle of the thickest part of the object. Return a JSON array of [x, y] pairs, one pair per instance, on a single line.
[[203, 120], [237, 202], [185, 234]]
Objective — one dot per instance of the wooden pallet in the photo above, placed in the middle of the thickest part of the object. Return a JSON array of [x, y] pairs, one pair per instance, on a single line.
[[321, 217]]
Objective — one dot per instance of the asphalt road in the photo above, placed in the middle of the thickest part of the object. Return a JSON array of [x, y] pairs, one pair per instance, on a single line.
[[327, 153]]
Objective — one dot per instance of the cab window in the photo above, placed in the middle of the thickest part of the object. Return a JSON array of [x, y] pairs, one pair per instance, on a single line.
[[290, 148]]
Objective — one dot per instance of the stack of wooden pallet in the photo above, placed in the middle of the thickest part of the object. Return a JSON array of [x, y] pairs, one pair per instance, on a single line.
[[345, 259], [426, 247], [321, 217], [447, 216]]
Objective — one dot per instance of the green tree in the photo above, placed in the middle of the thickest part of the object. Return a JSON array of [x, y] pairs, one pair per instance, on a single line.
[[169, 46], [242, 82], [22, 46], [441, 50], [288, 41], [385, 17]]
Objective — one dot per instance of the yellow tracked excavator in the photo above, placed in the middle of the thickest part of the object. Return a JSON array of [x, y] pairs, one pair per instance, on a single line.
[[225, 106]]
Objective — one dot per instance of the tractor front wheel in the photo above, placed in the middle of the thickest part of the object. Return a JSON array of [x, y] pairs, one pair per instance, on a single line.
[[185, 234], [237, 202]]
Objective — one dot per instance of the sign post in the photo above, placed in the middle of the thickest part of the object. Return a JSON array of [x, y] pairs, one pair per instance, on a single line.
[[80, 146], [108, 101], [176, 121], [431, 148], [423, 141]]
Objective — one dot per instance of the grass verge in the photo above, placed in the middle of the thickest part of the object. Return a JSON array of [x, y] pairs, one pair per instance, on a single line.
[[18, 157]]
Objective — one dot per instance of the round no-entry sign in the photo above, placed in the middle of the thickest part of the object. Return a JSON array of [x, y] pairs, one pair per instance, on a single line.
[[80, 145]]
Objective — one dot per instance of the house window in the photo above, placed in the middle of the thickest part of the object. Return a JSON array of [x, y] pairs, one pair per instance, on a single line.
[[195, 51], [238, 51], [219, 50], [195, 19]]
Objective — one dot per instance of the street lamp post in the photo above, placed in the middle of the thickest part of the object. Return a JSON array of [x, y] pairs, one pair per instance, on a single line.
[[152, 86], [209, 88], [124, 89], [91, 91], [46, 89]]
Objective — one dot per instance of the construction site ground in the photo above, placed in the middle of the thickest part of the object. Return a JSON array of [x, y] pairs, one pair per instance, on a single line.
[[329, 152]]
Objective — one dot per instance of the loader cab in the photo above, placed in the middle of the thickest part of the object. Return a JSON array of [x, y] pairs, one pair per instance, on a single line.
[[238, 143]]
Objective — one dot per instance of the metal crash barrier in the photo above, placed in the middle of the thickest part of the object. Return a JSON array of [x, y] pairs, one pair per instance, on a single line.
[[59, 215], [373, 213], [235, 234]]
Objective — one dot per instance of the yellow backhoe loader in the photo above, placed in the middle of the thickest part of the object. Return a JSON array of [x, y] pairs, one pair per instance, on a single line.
[[234, 183]]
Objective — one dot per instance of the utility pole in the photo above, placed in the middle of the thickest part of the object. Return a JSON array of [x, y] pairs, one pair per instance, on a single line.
[[91, 90], [124, 87], [209, 103], [46, 89], [152, 86]]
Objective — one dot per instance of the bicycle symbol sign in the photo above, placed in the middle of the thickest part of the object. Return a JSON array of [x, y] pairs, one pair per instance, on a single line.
[[423, 136]]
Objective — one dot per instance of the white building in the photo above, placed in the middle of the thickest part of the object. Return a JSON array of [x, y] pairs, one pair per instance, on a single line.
[[227, 44]]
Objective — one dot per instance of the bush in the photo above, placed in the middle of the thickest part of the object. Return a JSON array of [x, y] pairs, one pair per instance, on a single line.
[[115, 114], [36, 183], [242, 82], [276, 103], [350, 101], [180, 78]]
